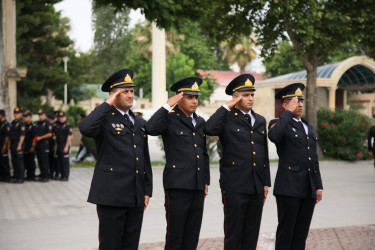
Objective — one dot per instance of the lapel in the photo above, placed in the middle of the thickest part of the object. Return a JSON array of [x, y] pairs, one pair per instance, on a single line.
[[298, 126], [257, 120], [183, 118], [309, 128], [240, 116], [121, 118], [199, 121]]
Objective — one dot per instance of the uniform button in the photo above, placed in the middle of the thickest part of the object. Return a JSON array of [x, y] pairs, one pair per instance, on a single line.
[[296, 135], [264, 165], [238, 129], [289, 168], [251, 132], [144, 172], [198, 156], [137, 158], [136, 171], [194, 134], [135, 146], [195, 145], [233, 163], [174, 166], [254, 164], [308, 147], [111, 169], [144, 136], [262, 132], [133, 134], [118, 133], [252, 142], [308, 169], [254, 153], [199, 169], [308, 138], [309, 159], [181, 132]]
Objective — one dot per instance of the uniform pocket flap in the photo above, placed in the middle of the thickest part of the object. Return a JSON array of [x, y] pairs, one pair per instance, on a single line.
[[175, 165], [181, 132]]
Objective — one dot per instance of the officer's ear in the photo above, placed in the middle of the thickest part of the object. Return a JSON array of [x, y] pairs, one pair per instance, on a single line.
[[285, 103], [235, 95]]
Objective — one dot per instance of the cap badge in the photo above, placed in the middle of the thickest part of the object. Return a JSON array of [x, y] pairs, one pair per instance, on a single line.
[[128, 79], [113, 125], [248, 83], [195, 87], [298, 92]]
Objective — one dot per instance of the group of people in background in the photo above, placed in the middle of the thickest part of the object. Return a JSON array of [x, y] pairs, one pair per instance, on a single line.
[[48, 139]]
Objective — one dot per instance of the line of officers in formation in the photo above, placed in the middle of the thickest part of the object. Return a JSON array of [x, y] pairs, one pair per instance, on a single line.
[[48, 139], [122, 181]]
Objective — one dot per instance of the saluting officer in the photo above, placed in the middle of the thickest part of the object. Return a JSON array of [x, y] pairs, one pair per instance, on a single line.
[[63, 133], [4, 144], [43, 133], [244, 165], [17, 137], [298, 184], [122, 182], [186, 174], [29, 152]]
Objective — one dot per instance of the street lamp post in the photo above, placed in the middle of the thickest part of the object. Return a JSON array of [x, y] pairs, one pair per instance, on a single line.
[[65, 59]]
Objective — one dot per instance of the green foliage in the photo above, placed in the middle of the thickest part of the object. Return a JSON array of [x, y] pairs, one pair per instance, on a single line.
[[284, 61], [343, 134], [73, 115], [42, 41], [178, 66]]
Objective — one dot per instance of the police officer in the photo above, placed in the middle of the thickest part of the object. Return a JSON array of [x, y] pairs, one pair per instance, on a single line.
[[54, 167], [63, 133], [43, 133], [29, 152], [4, 144], [17, 137], [122, 182], [298, 184], [244, 165], [186, 174]]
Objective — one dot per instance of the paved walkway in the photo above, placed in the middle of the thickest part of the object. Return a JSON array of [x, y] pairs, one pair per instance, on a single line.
[[55, 215]]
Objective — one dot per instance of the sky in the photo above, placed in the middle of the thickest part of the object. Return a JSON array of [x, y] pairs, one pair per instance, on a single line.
[[79, 13]]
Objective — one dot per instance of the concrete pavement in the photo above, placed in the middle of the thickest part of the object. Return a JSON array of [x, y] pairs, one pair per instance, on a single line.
[[55, 215]]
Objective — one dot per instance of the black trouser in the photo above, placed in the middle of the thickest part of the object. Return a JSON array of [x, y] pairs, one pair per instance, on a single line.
[[17, 162], [43, 161], [294, 217], [29, 159], [54, 169], [184, 211], [63, 161], [119, 227], [4, 167], [242, 217]]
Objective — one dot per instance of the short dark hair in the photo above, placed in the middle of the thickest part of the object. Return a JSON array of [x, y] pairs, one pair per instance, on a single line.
[[2, 112]]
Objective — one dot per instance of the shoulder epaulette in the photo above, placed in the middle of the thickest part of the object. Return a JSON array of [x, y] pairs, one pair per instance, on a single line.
[[172, 111]]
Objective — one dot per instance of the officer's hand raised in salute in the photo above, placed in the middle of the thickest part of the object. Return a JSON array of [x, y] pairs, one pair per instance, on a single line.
[[175, 99], [292, 105], [112, 97], [234, 101]]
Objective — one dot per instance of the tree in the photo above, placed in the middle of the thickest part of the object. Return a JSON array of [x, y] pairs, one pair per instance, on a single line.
[[4, 98], [315, 28], [42, 41], [283, 61]]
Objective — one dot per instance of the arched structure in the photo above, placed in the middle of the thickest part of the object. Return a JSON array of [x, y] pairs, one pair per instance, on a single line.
[[348, 81]]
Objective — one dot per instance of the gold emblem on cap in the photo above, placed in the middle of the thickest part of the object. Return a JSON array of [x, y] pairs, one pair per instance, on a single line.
[[39, 111], [298, 92], [194, 88], [127, 80], [248, 84]]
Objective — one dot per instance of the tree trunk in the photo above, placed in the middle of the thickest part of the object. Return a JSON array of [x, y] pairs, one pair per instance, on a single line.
[[311, 98], [4, 98]]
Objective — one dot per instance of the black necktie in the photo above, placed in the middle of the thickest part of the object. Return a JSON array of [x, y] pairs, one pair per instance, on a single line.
[[248, 117], [191, 120], [301, 126], [128, 122]]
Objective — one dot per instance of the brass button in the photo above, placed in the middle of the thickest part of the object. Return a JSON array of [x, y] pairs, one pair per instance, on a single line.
[[308, 138], [136, 171], [174, 166], [262, 132], [264, 165], [238, 129], [194, 134], [198, 156], [254, 153], [199, 169], [111, 169], [252, 132], [118, 133], [195, 145], [182, 133], [113, 113], [308, 169], [235, 114], [233, 163], [137, 158], [133, 134], [254, 164], [144, 172], [252, 142], [135, 146], [296, 135], [144, 136], [289, 168], [308, 147], [309, 159]]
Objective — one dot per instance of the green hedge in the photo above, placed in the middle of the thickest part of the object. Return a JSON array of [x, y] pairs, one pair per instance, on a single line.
[[343, 134]]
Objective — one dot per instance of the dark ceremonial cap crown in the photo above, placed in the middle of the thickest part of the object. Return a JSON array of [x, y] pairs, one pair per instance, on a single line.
[[290, 91], [241, 83], [189, 85], [27, 113], [41, 111], [120, 79], [62, 114], [17, 110]]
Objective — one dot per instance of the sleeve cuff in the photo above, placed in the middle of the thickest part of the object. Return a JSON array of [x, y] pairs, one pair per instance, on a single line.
[[226, 107], [167, 107]]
